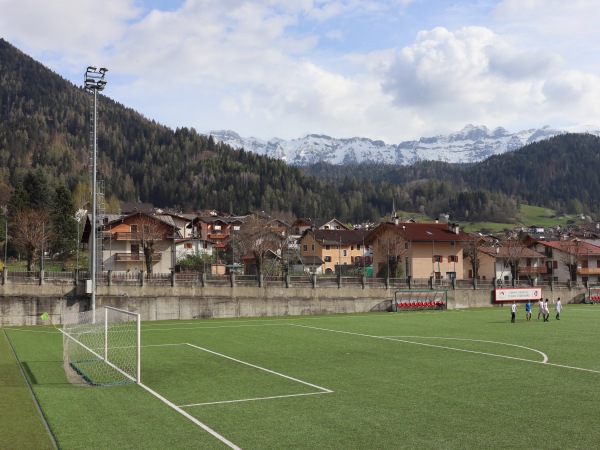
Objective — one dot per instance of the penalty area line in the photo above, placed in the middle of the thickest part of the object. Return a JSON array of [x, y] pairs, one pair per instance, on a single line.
[[190, 417], [254, 399], [324, 390]]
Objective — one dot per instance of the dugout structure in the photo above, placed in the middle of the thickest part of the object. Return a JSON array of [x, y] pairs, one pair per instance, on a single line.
[[594, 294], [406, 300], [102, 347]]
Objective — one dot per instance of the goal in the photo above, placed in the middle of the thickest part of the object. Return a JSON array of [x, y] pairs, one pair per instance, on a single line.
[[102, 347]]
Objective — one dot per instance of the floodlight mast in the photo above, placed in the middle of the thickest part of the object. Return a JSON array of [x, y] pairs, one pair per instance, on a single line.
[[94, 82]]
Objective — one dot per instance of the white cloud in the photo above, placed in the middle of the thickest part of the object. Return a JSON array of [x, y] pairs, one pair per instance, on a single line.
[[338, 67], [475, 76]]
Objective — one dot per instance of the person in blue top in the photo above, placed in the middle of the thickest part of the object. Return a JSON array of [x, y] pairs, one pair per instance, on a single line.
[[528, 311]]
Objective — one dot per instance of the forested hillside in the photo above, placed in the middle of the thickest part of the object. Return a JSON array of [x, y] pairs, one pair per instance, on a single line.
[[44, 126]]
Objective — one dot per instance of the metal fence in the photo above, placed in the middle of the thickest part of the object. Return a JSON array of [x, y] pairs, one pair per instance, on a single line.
[[312, 281]]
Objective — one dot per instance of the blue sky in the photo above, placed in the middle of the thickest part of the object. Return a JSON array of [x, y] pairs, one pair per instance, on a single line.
[[384, 69]]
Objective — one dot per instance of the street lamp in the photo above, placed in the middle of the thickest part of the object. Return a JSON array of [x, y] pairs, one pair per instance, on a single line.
[[94, 82]]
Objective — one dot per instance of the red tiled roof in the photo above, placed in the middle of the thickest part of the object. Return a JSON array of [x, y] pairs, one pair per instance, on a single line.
[[573, 247], [333, 237], [505, 252], [427, 232]]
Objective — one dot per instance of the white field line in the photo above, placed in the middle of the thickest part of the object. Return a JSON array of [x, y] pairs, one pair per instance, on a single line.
[[544, 356], [322, 390], [450, 348], [190, 417], [242, 400]]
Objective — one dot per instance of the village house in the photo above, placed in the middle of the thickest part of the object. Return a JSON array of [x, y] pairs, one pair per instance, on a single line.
[[327, 250], [494, 263], [124, 239], [418, 250], [570, 259]]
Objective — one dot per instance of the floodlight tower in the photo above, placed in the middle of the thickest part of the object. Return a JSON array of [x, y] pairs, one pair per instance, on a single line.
[[94, 82]]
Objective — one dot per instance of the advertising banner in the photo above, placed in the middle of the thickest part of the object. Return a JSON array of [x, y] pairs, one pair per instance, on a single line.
[[517, 294]]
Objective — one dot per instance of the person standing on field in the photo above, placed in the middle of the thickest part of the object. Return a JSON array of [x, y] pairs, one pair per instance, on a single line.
[[528, 311], [513, 311], [540, 307], [558, 307], [546, 312]]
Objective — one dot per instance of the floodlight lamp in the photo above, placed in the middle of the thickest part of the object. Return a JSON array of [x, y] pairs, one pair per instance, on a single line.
[[92, 68], [103, 70]]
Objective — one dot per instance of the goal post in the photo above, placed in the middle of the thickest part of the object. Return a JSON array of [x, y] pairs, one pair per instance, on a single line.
[[419, 299], [102, 347]]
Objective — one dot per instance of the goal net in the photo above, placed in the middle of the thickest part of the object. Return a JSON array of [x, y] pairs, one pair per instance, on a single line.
[[102, 348]]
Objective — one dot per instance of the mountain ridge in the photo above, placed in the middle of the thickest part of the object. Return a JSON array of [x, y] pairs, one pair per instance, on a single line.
[[470, 145]]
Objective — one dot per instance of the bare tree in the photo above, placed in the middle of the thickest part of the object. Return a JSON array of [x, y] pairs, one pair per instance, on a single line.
[[513, 254], [152, 234], [571, 256], [393, 250], [472, 254], [258, 238], [31, 229]]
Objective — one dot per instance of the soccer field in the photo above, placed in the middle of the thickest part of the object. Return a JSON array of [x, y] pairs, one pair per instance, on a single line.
[[429, 379]]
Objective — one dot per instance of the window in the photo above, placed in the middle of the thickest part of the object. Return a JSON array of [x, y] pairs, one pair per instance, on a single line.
[[217, 227], [453, 258], [134, 228], [305, 247], [327, 247], [437, 258], [135, 248], [187, 245], [313, 247], [328, 259]]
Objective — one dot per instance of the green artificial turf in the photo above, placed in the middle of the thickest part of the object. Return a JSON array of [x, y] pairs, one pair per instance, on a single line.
[[21, 424], [435, 379]]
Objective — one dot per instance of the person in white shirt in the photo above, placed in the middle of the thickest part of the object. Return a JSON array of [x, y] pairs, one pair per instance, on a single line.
[[546, 313], [513, 311], [540, 307], [558, 307]]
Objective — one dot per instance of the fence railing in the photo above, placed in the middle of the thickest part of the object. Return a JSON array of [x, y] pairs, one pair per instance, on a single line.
[[310, 281]]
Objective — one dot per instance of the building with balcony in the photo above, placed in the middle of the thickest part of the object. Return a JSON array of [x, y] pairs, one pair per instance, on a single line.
[[136, 242]]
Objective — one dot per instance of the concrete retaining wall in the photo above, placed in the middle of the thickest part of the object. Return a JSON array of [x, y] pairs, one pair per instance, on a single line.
[[24, 304]]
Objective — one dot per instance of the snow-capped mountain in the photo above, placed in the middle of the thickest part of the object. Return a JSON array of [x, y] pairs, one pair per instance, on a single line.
[[469, 145]]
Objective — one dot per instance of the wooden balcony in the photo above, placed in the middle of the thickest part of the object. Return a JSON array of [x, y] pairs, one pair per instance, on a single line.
[[532, 270], [124, 236], [136, 257], [217, 236], [588, 271]]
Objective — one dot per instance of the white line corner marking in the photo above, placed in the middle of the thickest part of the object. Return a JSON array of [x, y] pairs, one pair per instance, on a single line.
[[320, 390]]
